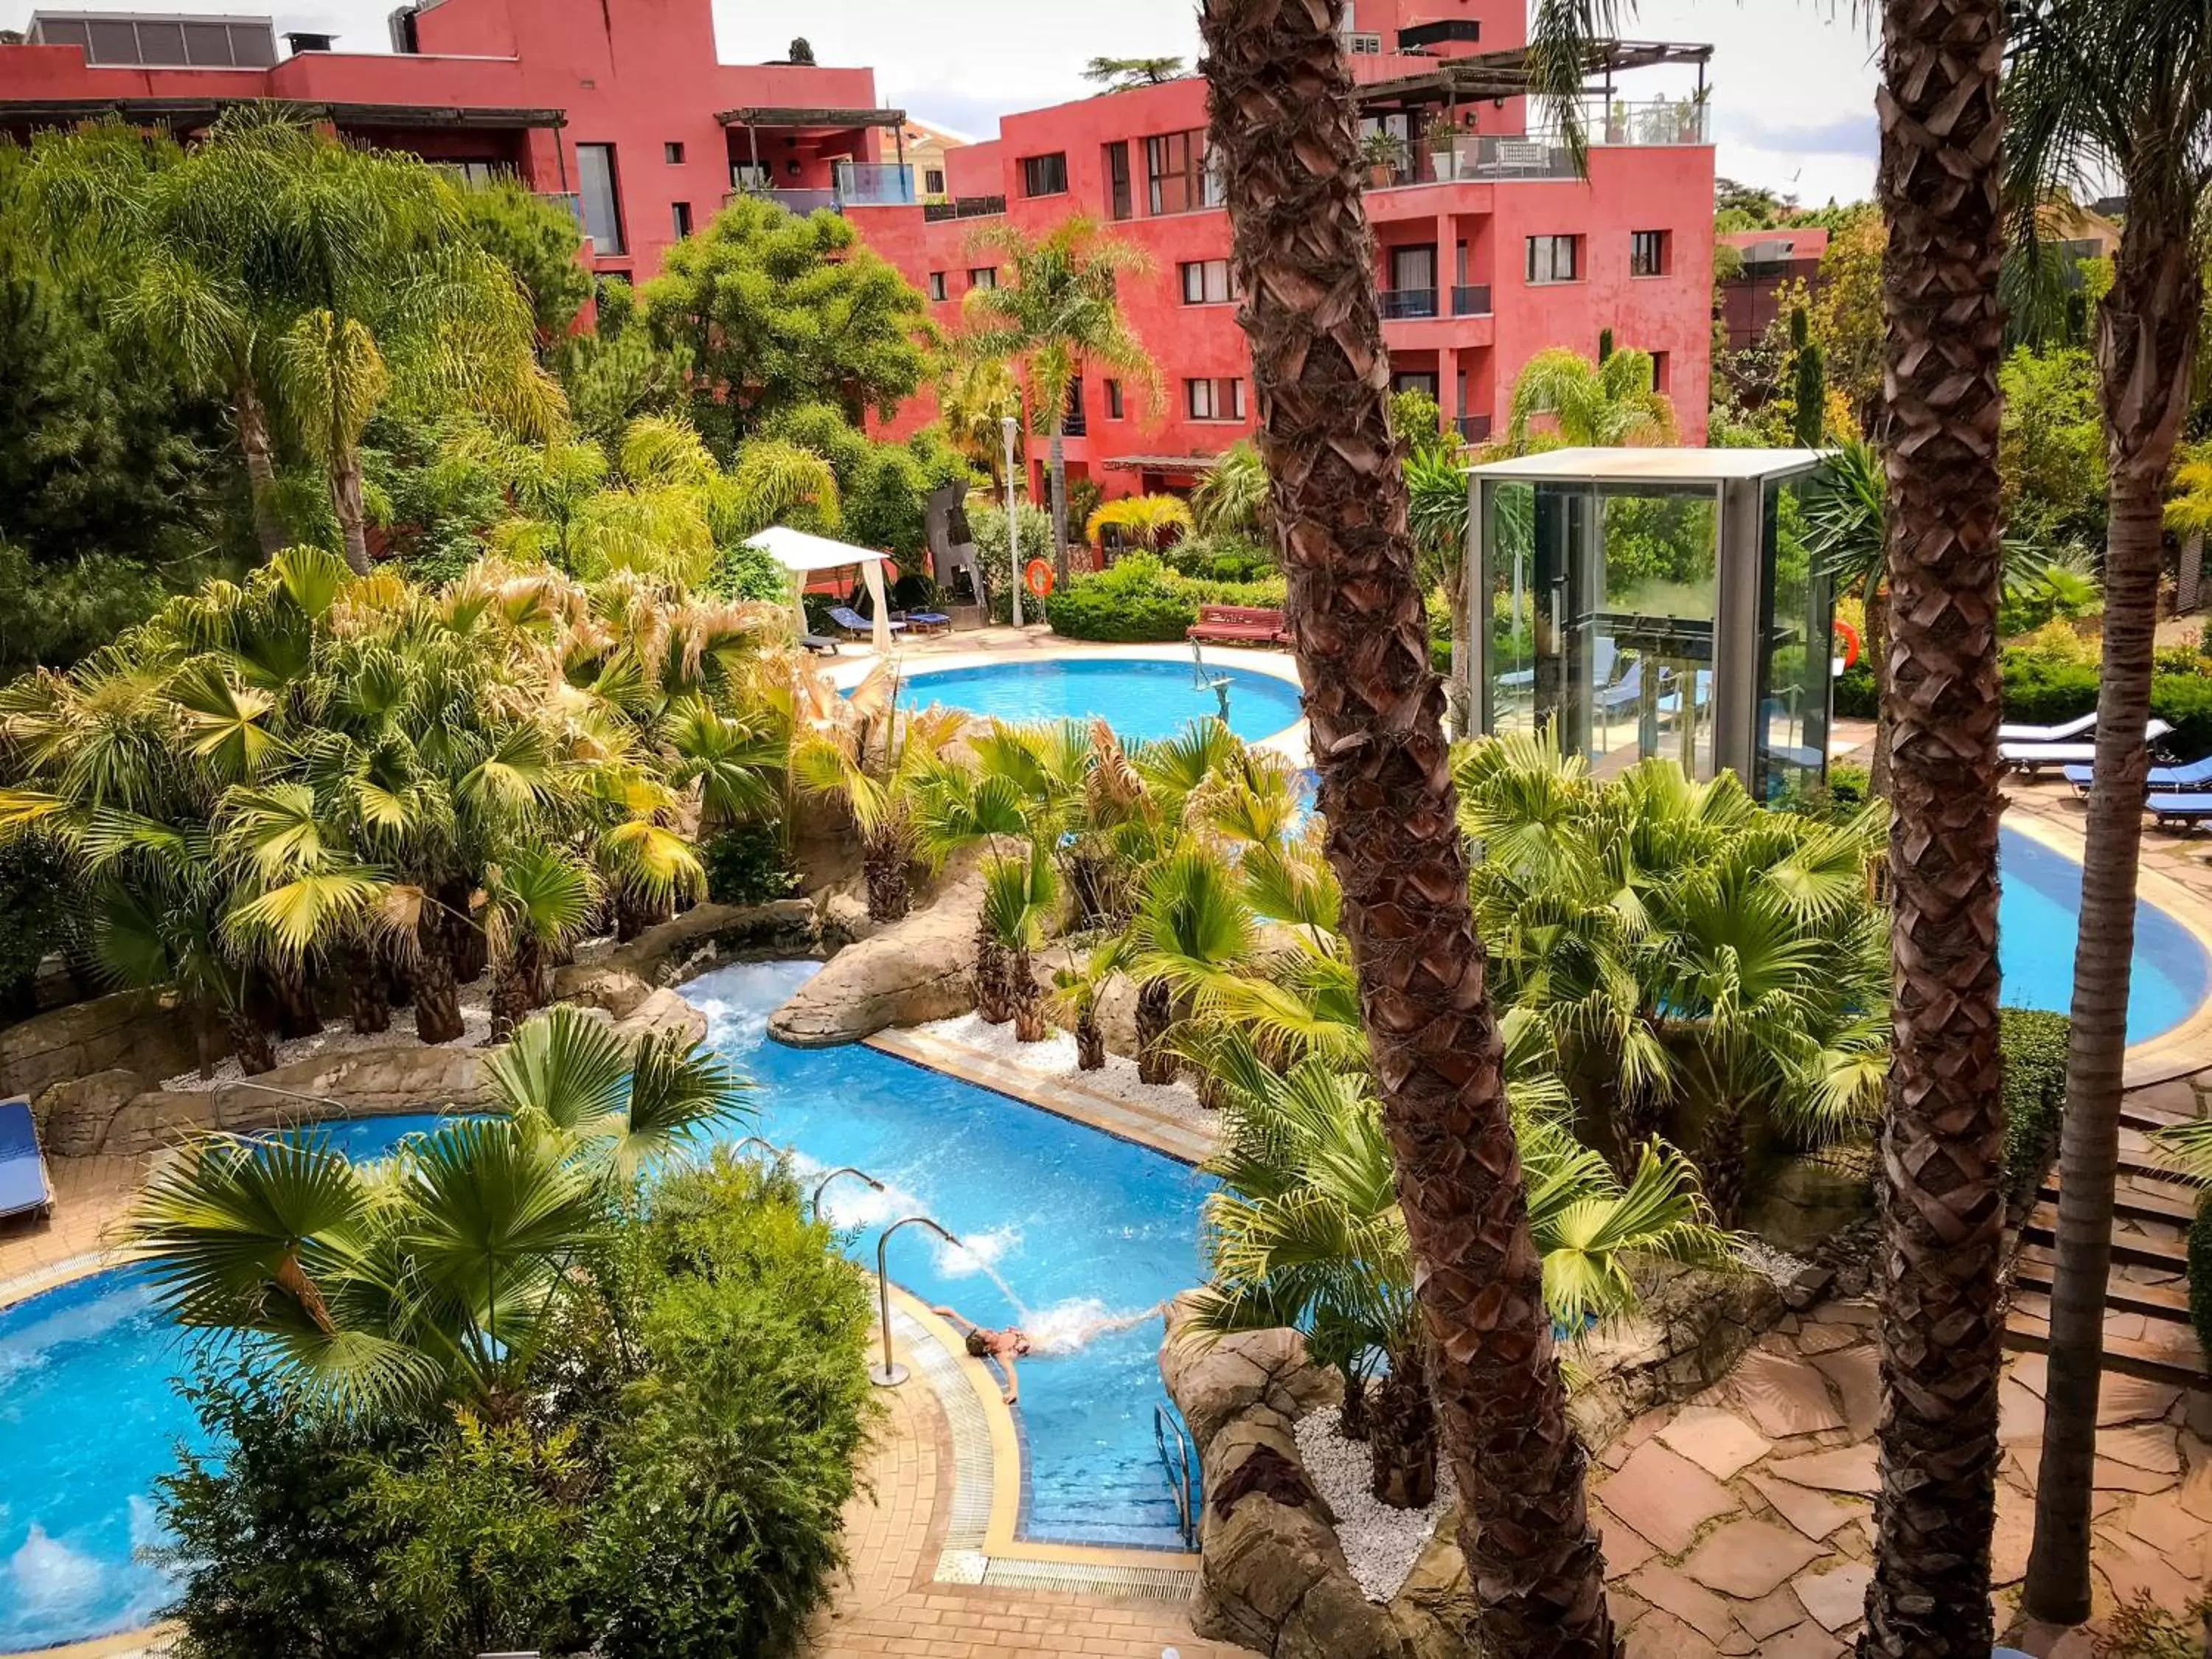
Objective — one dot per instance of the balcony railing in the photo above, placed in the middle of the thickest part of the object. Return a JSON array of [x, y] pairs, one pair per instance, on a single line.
[[1471, 301], [963, 207], [568, 200], [1400, 303], [801, 202], [1475, 429], [874, 183], [1544, 154]]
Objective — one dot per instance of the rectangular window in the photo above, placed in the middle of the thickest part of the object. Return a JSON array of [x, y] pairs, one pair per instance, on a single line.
[[1113, 400], [679, 215], [1044, 175], [983, 276], [1647, 253], [938, 290], [933, 181], [1662, 372], [1363, 45], [1208, 282], [1120, 203], [600, 197], [1554, 259], [1178, 178], [1214, 399], [672, 154]]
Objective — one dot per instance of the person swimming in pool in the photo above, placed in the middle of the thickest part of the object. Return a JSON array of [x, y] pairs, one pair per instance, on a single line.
[[987, 1344]]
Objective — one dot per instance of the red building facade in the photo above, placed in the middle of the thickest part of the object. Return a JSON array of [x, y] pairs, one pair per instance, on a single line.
[[1490, 245]]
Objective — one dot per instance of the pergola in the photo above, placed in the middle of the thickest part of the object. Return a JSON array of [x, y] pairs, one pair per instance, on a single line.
[[803, 555]]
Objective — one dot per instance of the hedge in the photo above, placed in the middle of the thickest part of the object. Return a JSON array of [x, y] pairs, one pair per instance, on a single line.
[[2042, 690], [1140, 601], [2034, 1043]]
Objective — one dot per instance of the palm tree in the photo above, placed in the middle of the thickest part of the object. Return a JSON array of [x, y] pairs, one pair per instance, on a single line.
[[2123, 88], [538, 901], [1231, 499], [1609, 403], [1020, 898], [872, 759], [2189, 516], [1148, 521], [1436, 488], [1076, 990], [974, 396], [439, 1277], [1847, 533], [1059, 316], [1191, 927], [1283, 122]]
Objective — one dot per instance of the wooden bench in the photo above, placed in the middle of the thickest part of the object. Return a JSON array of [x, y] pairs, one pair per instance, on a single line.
[[1250, 624]]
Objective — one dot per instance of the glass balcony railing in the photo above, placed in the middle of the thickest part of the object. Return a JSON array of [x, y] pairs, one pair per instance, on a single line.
[[1544, 154], [875, 184], [1471, 300], [1475, 429], [1401, 303], [568, 200]]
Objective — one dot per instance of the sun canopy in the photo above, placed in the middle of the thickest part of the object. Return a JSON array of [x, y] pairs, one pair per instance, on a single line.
[[802, 555]]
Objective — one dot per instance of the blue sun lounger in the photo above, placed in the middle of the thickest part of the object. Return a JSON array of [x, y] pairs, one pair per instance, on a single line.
[[854, 623], [24, 1188], [2180, 812], [2193, 779], [2033, 758]]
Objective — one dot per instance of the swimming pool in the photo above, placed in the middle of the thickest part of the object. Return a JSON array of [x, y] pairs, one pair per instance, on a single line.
[[2041, 921], [1087, 1232], [1141, 700]]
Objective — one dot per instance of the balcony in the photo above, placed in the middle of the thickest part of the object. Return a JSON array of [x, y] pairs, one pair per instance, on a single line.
[[1401, 303], [1492, 158], [1471, 301], [1475, 429], [963, 207], [569, 202], [858, 183]]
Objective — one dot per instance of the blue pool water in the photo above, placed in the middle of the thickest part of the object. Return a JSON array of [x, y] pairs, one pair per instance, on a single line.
[[1088, 1231], [1143, 700], [2041, 921]]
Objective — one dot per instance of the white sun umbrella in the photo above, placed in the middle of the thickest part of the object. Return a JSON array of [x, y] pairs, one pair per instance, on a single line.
[[803, 555]]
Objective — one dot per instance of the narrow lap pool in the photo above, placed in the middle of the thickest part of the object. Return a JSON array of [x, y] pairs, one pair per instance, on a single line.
[[1143, 700], [1087, 1232]]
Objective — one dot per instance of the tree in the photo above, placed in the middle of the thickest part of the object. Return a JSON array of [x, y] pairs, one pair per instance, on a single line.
[[1282, 120], [1847, 537], [2189, 516], [2123, 87], [1127, 74], [802, 50], [1750, 207], [539, 241], [1847, 314], [974, 396], [1231, 499], [1609, 403], [1809, 379], [1148, 522], [1020, 901], [863, 754], [1058, 315], [777, 311]]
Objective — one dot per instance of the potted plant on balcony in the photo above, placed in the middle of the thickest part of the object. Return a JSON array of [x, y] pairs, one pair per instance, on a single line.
[[1443, 145], [1383, 154]]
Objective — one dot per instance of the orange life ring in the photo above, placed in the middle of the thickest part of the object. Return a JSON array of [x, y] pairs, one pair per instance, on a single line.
[[1850, 643], [1037, 578]]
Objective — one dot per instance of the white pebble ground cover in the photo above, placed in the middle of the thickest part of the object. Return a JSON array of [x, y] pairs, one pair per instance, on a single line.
[[1054, 1058], [337, 1037], [1380, 1544]]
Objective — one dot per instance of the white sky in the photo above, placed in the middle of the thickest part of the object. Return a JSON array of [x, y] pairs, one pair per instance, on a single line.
[[1793, 79]]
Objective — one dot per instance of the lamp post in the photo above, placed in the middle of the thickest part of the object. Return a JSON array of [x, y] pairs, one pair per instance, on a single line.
[[890, 1373], [1006, 424]]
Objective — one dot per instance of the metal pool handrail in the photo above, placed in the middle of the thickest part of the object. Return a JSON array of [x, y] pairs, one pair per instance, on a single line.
[[1177, 1466], [841, 1169], [890, 1373], [774, 1150]]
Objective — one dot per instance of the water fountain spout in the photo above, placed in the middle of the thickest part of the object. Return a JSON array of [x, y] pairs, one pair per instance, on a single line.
[[841, 1169], [773, 1149], [890, 1373]]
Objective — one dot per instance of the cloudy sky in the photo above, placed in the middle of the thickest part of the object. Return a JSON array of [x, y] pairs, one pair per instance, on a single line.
[[1793, 79]]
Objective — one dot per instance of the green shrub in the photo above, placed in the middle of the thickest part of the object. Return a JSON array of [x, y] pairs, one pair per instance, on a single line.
[[1855, 696], [2185, 701], [2034, 1043], [1137, 600], [2041, 690], [37, 914], [748, 573], [746, 865], [1222, 559]]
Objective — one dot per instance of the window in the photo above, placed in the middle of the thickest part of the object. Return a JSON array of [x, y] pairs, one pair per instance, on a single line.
[[1113, 400], [478, 173], [938, 290], [672, 154], [679, 218], [1177, 177], [1662, 371], [1073, 423], [1647, 253], [983, 276], [1215, 400], [933, 181], [1119, 202], [1208, 282], [1363, 45], [1553, 258], [601, 199], [1044, 175]]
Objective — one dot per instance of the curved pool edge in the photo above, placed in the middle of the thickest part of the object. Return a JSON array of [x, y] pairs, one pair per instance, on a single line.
[[2182, 1049]]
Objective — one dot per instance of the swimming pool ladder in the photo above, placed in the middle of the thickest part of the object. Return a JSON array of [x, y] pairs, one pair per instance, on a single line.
[[1177, 1465]]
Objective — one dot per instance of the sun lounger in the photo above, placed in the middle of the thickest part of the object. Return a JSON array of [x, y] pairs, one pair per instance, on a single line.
[[854, 623], [2196, 778], [2033, 758], [24, 1188], [820, 644], [930, 622], [2180, 812], [2072, 732]]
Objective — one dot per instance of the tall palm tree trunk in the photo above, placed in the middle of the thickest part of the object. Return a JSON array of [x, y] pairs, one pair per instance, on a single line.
[[1282, 118], [2147, 350], [437, 995], [345, 501], [1877, 649], [251, 417], [1401, 1420], [369, 1001], [1156, 1062], [1025, 998], [884, 862], [1057, 464], [1943, 1135], [249, 1043]]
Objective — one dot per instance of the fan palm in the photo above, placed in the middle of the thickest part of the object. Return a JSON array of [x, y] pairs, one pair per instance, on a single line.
[[2120, 89], [1020, 900], [1847, 534], [1058, 315], [1191, 927], [1077, 988], [1144, 521], [1231, 499], [1610, 403], [974, 396], [538, 901], [437, 1274]]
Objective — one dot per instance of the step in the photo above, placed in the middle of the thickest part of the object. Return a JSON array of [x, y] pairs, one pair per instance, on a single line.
[[2139, 1159], [2038, 1268], [2172, 1202], [2136, 1250], [2173, 1359], [2141, 1115]]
